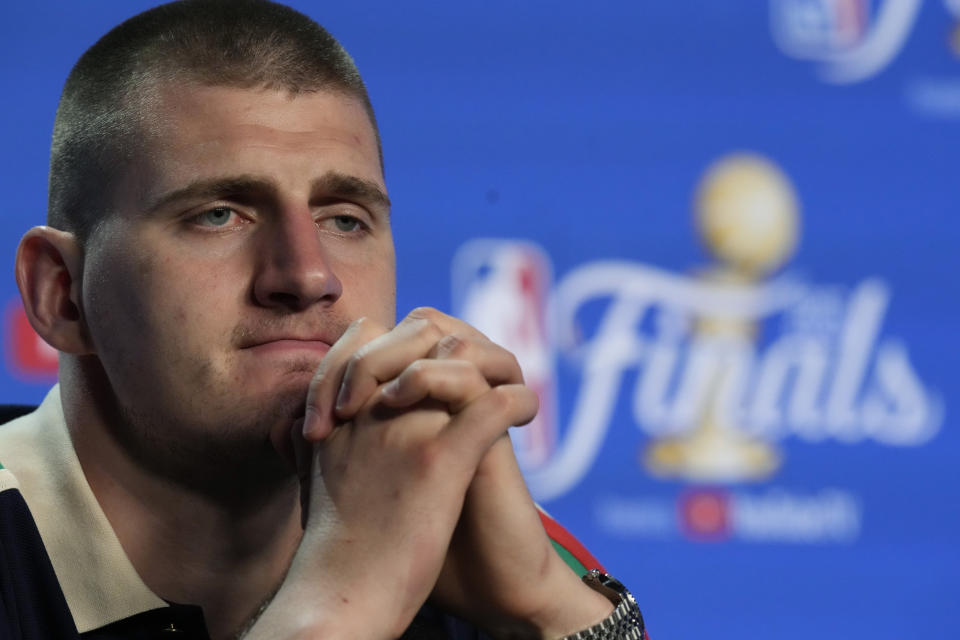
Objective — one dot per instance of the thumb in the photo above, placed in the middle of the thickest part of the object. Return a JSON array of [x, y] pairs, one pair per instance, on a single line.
[[315, 426], [302, 452]]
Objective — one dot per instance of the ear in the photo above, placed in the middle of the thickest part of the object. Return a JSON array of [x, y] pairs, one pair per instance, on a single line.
[[49, 265]]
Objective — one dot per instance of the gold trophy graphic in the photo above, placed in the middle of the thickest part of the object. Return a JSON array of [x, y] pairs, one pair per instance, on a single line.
[[746, 213]]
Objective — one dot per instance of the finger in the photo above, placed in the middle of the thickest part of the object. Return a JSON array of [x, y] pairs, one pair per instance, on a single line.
[[464, 342], [455, 383], [303, 457], [424, 333], [497, 365], [383, 359], [319, 419], [474, 430]]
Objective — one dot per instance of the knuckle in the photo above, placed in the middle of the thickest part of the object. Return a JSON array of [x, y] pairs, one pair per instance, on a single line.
[[432, 331], [515, 403], [426, 322], [417, 372], [472, 370], [504, 400], [360, 326], [513, 363], [476, 379], [359, 361], [367, 327], [424, 313], [452, 345]]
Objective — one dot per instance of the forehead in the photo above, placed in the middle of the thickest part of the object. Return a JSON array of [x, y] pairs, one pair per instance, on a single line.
[[187, 106], [194, 131]]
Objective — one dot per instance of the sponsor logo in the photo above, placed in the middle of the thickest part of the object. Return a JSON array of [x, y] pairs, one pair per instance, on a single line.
[[765, 516], [705, 515], [28, 356], [851, 40]]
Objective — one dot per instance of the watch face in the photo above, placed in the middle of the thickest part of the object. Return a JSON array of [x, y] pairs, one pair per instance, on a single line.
[[608, 586]]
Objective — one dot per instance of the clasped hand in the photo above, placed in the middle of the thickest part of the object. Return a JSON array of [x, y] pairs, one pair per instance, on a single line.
[[410, 488]]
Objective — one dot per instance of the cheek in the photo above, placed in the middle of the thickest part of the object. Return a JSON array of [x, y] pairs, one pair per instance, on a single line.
[[113, 292], [197, 306], [145, 304], [117, 313], [369, 284]]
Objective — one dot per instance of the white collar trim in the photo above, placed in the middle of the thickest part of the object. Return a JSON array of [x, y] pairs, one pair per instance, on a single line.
[[99, 582]]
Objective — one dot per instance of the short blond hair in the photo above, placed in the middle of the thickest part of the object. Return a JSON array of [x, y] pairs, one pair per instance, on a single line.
[[235, 43]]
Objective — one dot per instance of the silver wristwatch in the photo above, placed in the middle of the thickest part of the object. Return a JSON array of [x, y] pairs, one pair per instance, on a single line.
[[625, 623]]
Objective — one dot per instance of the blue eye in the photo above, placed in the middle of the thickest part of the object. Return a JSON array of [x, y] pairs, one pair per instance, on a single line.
[[346, 224], [216, 217]]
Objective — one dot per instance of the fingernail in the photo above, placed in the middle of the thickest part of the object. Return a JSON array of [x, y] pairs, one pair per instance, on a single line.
[[309, 421], [391, 389], [343, 397]]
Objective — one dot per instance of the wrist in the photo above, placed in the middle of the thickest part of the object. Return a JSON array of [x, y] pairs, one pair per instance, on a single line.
[[624, 623], [582, 609], [330, 592], [314, 611], [566, 605]]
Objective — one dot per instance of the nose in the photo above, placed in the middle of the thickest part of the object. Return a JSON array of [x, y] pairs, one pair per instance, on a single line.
[[294, 268]]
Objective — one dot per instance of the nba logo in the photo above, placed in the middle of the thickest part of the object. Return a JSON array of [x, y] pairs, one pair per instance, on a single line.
[[852, 39], [811, 28], [501, 287]]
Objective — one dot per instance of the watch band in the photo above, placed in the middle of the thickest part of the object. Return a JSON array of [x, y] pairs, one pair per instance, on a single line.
[[625, 623]]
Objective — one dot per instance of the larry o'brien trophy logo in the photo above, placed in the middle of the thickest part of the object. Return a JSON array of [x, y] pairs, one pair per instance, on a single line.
[[746, 213], [717, 366]]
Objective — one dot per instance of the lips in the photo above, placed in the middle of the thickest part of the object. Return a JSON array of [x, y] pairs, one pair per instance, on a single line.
[[289, 345], [269, 335]]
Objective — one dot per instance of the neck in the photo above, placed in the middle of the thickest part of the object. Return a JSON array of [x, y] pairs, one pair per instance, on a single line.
[[224, 550]]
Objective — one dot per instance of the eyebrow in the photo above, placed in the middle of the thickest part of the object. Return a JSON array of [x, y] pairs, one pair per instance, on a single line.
[[213, 188], [331, 185], [338, 185]]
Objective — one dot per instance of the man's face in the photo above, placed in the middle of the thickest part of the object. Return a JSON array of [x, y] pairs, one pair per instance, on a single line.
[[253, 228]]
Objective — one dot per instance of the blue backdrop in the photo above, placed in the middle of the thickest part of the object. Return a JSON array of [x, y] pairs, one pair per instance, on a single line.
[[720, 236]]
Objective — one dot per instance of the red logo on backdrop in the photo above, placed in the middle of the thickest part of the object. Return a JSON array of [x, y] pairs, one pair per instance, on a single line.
[[705, 514], [28, 356]]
